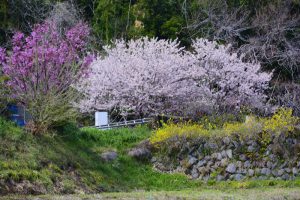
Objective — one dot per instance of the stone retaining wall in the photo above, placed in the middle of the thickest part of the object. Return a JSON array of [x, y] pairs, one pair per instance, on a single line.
[[231, 158]]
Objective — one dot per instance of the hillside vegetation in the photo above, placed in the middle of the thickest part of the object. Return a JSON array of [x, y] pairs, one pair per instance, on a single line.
[[220, 80], [68, 161]]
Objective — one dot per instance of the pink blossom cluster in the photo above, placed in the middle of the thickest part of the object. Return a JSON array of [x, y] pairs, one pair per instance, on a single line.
[[46, 60]]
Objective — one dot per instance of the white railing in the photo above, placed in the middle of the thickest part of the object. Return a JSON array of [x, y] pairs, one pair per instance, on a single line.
[[124, 123]]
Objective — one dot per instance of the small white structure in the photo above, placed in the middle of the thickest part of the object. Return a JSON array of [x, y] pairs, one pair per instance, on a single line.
[[101, 118]]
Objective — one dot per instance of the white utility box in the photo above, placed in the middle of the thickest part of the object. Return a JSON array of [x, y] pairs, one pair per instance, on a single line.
[[101, 118]]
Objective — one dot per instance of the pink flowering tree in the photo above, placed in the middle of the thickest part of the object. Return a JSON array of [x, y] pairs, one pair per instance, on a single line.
[[4, 92], [41, 67], [150, 77]]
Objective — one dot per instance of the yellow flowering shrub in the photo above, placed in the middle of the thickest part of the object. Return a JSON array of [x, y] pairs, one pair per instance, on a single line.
[[170, 130], [282, 121]]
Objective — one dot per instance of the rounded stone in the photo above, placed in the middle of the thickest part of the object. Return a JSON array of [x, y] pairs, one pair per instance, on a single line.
[[109, 156], [295, 171], [250, 172], [251, 148], [275, 173], [201, 163], [280, 172], [239, 164], [285, 177], [224, 162], [288, 170], [269, 164], [238, 177], [219, 156], [247, 164], [194, 173], [226, 140], [220, 178], [242, 157], [231, 168], [223, 153], [229, 153], [265, 171], [192, 160]]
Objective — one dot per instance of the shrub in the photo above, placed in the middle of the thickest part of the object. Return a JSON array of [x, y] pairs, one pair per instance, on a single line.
[[185, 129], [8, 128], [216, 120], [41, 68], [4, 92], [250, 128], [3, 97], [282, 121]]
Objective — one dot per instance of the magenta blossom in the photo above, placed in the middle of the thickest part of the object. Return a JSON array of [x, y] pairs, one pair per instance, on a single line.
[[46, 59], [42, 67]]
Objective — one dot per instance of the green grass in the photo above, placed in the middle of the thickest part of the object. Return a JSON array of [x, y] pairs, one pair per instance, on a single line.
[[70, 157], [46, 159], [119, 139], [207, 194]]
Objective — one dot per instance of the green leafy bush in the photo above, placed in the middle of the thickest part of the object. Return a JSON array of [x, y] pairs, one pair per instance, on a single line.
[[9, 129], [3, 93]]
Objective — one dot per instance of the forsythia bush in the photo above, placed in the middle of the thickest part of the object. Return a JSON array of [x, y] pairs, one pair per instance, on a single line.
[[170, 130], [281, 122]]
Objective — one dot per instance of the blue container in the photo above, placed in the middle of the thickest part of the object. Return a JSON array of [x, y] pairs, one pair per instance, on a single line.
[[13, 109], [16, 115]]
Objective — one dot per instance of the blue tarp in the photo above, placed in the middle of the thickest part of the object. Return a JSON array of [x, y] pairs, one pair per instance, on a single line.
[[17, 114]]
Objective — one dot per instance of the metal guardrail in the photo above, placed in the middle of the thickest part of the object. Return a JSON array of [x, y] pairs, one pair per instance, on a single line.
[[124, 123]]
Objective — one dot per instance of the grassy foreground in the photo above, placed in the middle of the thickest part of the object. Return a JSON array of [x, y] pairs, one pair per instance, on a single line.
[[207, 194], [68, 162]]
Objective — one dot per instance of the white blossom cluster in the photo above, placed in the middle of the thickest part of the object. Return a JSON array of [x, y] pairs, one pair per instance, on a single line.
[[151, 76]]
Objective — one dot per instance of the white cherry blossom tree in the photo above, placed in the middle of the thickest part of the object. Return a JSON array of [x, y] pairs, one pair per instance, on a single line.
[[232, 82], [151, 76]]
